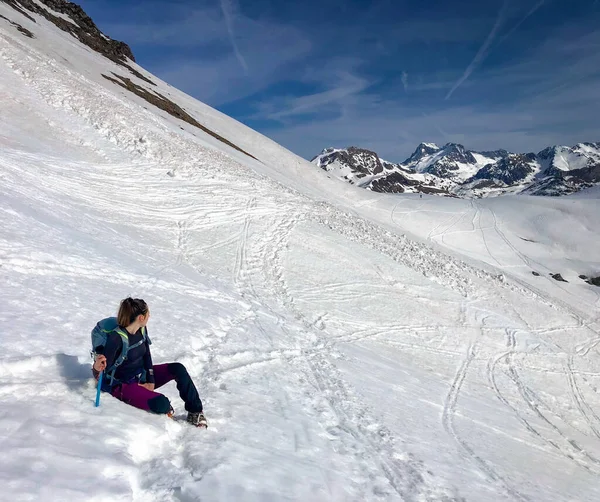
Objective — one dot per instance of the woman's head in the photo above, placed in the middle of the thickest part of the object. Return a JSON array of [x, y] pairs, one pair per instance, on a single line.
[[132, 310]]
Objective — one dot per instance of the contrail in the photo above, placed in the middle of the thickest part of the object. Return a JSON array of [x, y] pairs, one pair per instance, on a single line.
[[483, 51], [227, 8], [530, 13]]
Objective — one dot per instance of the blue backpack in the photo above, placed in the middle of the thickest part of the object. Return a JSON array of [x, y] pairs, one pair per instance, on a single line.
[[100, 335]]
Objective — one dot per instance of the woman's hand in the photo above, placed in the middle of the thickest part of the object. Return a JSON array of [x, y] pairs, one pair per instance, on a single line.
[[149, 386], [100, 363]]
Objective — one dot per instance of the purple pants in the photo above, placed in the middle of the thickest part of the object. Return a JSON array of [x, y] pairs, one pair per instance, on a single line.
[[144, 399]]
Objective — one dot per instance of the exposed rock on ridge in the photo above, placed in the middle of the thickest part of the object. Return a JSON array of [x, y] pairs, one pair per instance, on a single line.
[[81, 26]]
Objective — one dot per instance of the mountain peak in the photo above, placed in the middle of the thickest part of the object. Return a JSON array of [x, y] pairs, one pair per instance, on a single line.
[[429, 146], [457, 147]]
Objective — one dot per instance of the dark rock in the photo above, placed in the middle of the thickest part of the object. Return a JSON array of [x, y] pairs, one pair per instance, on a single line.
[[168, 106], [509, 170], [555, 186], [495, 154], [590, 174], [82, 28], [24, 31], [423, 150], [536, 274], [396, 183], [547, 153], [558, 277], [486, 184], [459, 153], [15, 5], [594, 281], [584, 277], [359, 160]]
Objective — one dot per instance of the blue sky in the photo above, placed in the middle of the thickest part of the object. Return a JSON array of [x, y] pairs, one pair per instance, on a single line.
[[384, 74]]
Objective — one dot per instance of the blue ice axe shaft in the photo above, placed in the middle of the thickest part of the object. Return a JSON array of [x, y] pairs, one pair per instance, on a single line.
[[99, 389]]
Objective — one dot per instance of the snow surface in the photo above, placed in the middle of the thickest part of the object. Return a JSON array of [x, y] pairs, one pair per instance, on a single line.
[[483, 161], [566, 159], [348, 345]]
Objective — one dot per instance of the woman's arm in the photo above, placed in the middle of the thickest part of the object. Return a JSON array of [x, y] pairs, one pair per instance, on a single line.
[[107, 355]]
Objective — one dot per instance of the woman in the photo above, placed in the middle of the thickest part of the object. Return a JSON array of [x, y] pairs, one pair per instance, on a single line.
[[136, 378]]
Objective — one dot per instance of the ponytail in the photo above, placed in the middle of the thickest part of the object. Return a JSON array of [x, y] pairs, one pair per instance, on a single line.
[[129, 309]]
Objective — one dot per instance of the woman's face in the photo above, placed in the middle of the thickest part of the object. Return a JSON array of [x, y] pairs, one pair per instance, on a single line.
[[145, 318]]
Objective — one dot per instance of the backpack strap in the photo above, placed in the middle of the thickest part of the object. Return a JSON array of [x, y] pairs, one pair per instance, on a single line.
[[125, 339], [126, 348]]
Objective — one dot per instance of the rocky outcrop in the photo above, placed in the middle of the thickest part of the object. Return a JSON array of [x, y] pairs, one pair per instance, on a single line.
[[511, 169], [364, 162], [399, 183], [168, 106], [593, 281], [81, 26], [19, 28]]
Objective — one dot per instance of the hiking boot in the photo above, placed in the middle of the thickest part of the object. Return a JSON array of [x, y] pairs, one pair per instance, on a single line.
[[171, 412], [197, 419]]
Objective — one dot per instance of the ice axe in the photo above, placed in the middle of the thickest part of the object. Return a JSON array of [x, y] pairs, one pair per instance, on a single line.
[[99, 389]]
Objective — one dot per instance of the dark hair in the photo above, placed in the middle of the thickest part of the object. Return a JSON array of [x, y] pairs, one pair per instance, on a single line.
[[129, 309]]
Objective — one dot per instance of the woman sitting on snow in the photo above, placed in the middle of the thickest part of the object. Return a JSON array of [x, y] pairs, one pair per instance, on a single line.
[[135, 378]]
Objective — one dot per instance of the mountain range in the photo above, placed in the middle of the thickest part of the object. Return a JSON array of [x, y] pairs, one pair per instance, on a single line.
[[452, 170]]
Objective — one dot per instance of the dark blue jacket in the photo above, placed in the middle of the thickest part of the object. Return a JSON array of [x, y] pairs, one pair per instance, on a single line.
[[137, 367]]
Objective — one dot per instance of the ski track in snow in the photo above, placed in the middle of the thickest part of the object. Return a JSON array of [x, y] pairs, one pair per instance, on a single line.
[[231, 233]]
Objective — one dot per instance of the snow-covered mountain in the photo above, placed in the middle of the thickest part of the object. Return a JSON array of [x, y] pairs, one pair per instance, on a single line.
[[453, 170], [347, 345], [365, 169]]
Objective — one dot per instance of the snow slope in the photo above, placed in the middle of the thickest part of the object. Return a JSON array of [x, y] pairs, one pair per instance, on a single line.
[[348, 345]]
